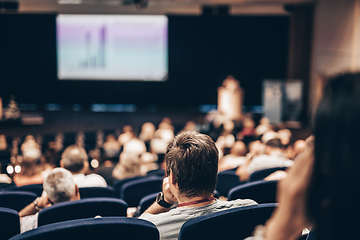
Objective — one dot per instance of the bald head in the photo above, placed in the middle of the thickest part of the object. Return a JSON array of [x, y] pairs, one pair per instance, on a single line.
[[299, 146], [238, 149]]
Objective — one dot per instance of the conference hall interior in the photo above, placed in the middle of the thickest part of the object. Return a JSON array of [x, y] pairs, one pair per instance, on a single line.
[[120, 76]]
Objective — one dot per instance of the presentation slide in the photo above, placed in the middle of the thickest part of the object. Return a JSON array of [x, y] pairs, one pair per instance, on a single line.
[[112, 47]]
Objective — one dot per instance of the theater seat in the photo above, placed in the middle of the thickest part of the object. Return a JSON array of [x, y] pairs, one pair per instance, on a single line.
[[146, 202], [133, 191], [226, 181], [34, 188], [260, 191], [84, 208], [230, 224], [119, 183], [109, 228], [91, 192], [10, 223], [16, 200], [261, 174]]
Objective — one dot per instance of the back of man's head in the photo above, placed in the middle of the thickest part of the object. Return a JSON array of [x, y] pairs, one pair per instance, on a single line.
[[74, 158], [193, 159], [274, 143], [59, 186]]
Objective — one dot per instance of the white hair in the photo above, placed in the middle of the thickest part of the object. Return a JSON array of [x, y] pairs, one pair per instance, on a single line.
[[59, 185]]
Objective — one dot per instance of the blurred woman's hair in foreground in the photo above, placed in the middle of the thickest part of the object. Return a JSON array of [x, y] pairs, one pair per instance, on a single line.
[[333, 192]]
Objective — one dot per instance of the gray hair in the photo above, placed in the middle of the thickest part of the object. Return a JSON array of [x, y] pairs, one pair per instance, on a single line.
[[59, 185], [73, 158]]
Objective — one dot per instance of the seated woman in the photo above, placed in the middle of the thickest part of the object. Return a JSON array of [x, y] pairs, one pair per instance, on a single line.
[[321, 189]]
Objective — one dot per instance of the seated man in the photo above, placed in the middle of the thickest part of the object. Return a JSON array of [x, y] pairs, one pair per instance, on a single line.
[[191, 167], [75, 159], [274, 157], [59, 187]]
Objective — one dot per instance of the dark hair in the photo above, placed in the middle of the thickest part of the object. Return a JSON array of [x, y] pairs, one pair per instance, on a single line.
[[274, 143], [193, 159], [333, 192]]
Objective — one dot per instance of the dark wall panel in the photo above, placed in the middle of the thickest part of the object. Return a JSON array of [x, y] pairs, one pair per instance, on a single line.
[[202, 52]]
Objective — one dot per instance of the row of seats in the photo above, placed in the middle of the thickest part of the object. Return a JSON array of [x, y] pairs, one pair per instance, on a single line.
[[236, 223], [137, 192]]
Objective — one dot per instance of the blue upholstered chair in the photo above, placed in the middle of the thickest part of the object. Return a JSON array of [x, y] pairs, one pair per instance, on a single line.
[[109, 228], [94, 192], [16, 200], [260, 191], [230, 224], [4, 186], [119, 183], [34, 188], [10, 223], [133, 191], [84, 208], [261, 174], [146, 201], [226, 181]]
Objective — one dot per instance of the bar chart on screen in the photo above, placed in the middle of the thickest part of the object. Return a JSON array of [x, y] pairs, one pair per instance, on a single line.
[[99, 47]]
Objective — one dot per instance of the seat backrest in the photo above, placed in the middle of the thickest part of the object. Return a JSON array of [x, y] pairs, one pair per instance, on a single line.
[[94, 229], [146, 201], [119, 183], [261, 191], [234, 223], [91, 192], [16, 200], [226, 181], [133, 191], [261, 174], [10, 223], [4, 186], [34, 188], [84, 208]]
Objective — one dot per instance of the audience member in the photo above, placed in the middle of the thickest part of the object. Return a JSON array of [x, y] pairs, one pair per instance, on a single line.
[[274, 157], [147, 132], [295, 149], [128, 166], [263, 126], [3, 143], [29, 144], [235, 158], [111, 146], [191, 166], [31, 169], [59, 187], [320, 191], [75, 159], [285, 136], [127, 135], [135, 146]]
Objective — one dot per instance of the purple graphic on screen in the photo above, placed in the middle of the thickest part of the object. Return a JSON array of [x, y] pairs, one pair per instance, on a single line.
[[112, 47]]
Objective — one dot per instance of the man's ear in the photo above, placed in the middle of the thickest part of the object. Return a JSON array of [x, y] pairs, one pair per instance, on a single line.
[[86, 167], [62, 163], [172, 178], [77, 192]]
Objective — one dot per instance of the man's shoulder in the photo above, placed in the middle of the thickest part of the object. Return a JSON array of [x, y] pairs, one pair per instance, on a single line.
[[237, 203], [93, 180]]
